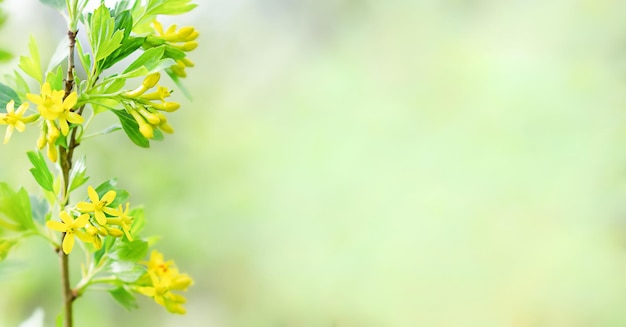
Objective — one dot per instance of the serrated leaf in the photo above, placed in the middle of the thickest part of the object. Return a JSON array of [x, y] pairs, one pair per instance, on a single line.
[[77, 175], [103, 36], [7, 94], [144, 15], [124, 297], [129, 251], [56, 4], [55, 78], [124, 21], [32, 65], [131, 128], [40, 170]]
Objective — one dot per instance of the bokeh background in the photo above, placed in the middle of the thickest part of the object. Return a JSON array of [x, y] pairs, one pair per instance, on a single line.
[[351, 163]]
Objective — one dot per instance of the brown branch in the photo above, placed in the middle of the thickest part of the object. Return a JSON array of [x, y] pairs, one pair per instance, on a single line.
[[66, 165]]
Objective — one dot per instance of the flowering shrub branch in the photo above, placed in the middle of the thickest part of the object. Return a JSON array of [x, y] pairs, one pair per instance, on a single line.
[[62, 106]]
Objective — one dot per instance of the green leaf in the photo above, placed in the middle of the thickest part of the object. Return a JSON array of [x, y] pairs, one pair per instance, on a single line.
[[124, 297], [124, 21], [40, 170], [32, 65], [129, 251], [139, 220], [127, 271], [15, 206], [103, 36], [5, 247], [147, 59], [129, 46], [158, 135], [39, 209], [55, 78], [7, 94], [60, 54], [56, 4], [144, 15], [179, 83], [131, 128], [85, 58], [77, 175]]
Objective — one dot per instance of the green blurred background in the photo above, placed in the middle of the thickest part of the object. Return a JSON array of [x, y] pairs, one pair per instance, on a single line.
[[371, 163]]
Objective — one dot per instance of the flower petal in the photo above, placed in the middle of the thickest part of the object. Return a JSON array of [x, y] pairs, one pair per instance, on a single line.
[[75, 118], [85, 206], [10, 107], [68, 243], [57, 226], [65, 217], [81, 221], [109, 197], [7, 134], [70, 101], [100, 218], [34, 98], [93, 195]]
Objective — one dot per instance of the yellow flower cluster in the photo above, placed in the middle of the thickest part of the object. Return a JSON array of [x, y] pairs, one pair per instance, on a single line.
[[56, 110], [91, 230], [146, 112], [182, 39], [161, 279]]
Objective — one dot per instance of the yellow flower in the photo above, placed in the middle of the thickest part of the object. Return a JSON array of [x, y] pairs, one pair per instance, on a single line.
[[52, 106], [14, 120], [123, 220], [70, 227], [160, 292], [49, 103], [98, 206], [164, 278]]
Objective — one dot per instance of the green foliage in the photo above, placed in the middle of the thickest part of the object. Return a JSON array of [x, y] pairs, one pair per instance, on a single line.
[[40, 170], [15, 211], [77, 174], [32, 65], [107, 227], [124, 297], [7, 94], [131, 128], [104, 37]]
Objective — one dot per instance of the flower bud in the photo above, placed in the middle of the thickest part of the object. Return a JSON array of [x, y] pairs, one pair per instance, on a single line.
[[102, 231], [150, 117], [146, 130], [166, 127], [151, 80], [115, 232], [53, 153], [41, 141], [167, 106], [188, 46]]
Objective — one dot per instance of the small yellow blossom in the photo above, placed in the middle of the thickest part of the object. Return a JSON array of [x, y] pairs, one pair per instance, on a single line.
[[163, 279], [98, 206], [123, 220], [49, 103], [14, 120], [52, 106], [70, 227]]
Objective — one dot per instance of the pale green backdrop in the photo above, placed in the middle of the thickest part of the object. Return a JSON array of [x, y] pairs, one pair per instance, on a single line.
[[349, 163]]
